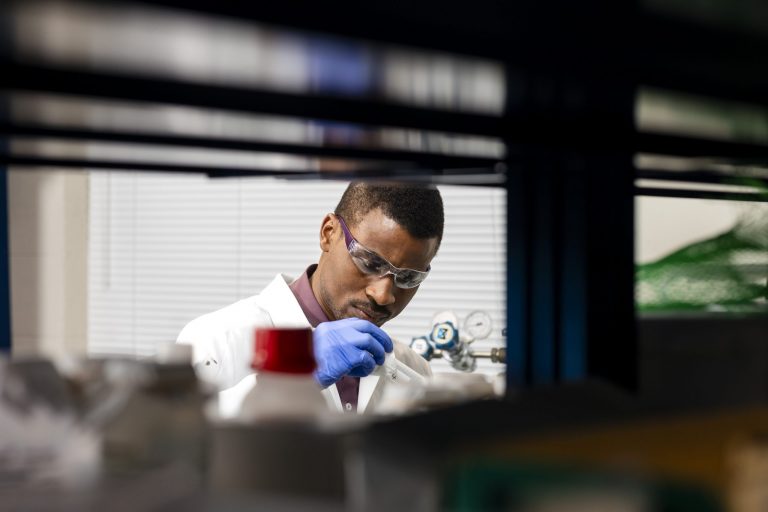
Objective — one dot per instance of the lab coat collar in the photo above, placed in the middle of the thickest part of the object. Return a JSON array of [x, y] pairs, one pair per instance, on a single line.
[[281, 304]]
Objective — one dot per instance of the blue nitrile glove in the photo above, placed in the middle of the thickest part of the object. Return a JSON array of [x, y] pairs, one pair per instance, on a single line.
[[351, 346]]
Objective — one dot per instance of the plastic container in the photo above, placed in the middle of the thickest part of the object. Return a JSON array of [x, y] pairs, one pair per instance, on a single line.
[[285, 387], [266, 450]]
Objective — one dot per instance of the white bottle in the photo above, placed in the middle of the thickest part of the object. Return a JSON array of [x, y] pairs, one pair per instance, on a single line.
[[285, 387]]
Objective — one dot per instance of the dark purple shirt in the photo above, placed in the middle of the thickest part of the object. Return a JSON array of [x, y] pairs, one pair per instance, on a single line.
[[348, 387]]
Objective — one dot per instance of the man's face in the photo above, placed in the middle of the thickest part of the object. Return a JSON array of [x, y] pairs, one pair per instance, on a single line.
[[344, 291]]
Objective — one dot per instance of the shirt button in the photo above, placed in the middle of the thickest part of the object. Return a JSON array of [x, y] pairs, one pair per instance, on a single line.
[[348, 406]]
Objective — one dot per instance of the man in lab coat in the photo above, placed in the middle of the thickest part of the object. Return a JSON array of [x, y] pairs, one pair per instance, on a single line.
[[376, 250]]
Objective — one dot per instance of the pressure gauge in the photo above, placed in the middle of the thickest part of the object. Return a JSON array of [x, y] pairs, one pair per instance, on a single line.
[[445, 336], [423, 347], [478, 325]]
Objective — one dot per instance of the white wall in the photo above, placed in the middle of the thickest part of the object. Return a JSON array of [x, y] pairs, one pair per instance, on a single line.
[[48, 221], [663, 224]]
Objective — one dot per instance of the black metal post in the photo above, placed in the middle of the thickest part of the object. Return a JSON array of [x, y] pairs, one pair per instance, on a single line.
[[571, 212]]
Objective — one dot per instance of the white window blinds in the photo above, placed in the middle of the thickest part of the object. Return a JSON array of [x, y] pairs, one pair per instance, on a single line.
[[164, 249]]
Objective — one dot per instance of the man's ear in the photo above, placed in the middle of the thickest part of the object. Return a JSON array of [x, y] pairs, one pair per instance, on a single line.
[[327, 229]]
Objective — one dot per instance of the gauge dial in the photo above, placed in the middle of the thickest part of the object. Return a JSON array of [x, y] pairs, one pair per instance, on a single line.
[[445, 316], [422, 347], [478, 325]]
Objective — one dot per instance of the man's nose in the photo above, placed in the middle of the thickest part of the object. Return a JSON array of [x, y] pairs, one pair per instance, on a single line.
[[381, 290]]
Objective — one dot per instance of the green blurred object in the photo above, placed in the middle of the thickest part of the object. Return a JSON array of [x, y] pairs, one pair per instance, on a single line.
[[503, 486], [728, 272], [714, 272]]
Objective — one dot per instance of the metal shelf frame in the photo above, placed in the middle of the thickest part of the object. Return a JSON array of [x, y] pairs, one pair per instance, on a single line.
[[568, 128]]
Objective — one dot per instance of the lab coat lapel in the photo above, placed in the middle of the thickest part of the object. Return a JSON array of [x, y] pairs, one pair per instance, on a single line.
[[332, 397], [365, 393], [281, 304], [369, 393]]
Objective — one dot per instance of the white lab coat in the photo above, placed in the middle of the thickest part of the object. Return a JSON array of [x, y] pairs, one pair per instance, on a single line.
[[222, 343]]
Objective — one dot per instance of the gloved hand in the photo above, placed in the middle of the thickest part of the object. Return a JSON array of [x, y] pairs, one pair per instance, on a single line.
[[351, 346]]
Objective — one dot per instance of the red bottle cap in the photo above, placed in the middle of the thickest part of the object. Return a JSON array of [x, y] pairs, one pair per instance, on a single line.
[[283, 350]]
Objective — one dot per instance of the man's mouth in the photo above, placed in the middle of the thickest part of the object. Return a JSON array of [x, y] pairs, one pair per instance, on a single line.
[[370, 315]]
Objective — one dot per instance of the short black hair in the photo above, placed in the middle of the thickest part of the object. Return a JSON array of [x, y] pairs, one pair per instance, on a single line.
[[417, 208]]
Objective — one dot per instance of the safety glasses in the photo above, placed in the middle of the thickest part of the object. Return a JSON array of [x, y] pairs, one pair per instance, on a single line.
[[372, 264]]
